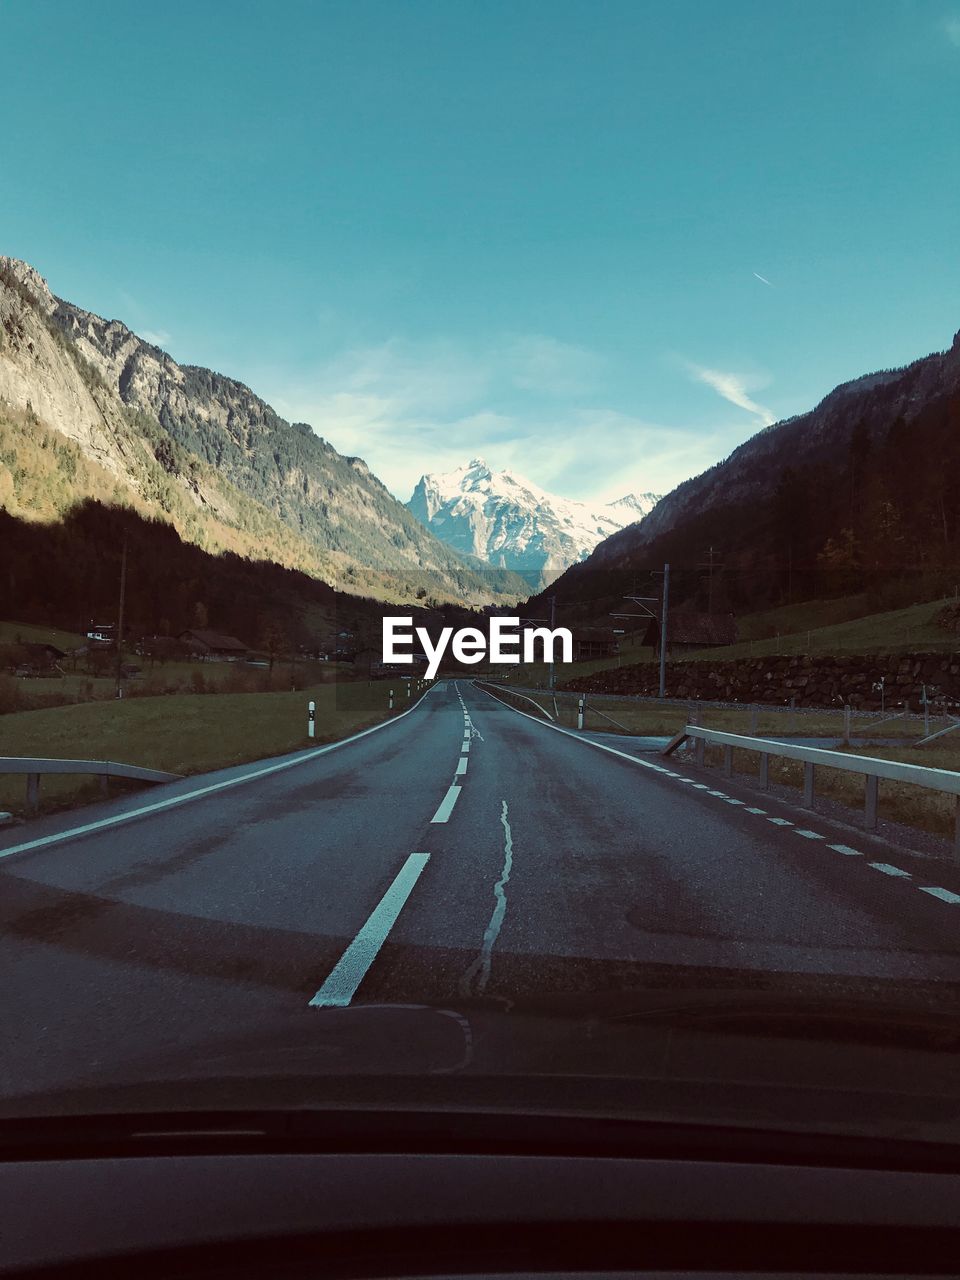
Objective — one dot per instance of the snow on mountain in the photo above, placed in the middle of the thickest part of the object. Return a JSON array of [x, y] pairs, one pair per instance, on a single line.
[[512, 523]]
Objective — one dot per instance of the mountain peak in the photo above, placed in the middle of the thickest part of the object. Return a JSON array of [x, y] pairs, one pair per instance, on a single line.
[[31, 280], [510, 522]]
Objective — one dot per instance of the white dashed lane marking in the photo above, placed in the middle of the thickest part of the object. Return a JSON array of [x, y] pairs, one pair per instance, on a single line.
[[808, 835], [780, 822], [845, 848], [943, 894], [351, 969], [889, 870], [446, 804]]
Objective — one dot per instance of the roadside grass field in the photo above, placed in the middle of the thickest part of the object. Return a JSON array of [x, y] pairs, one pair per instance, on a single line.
[[28, 633], [650, 718], [183, 733], [76, 684], [899, 631]]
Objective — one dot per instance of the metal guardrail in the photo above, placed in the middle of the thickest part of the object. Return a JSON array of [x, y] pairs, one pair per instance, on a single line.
[[943, 780], [35, 766]]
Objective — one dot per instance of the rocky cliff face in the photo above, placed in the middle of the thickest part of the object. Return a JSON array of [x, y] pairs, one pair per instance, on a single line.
[[133, 409], [37, 375]]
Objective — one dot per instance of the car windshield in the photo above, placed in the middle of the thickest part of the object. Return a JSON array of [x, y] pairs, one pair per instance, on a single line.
[[480, 561]]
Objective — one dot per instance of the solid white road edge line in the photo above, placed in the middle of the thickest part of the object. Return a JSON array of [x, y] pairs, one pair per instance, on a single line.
[[447, 803], [198, 794], [351, 969]]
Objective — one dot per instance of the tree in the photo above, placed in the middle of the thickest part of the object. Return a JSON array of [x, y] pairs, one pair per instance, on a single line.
[[791, 519], [272, 637], [841, 560]]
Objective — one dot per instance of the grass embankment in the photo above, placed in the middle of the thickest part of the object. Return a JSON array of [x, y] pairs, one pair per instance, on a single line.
[[909, 630], [183, 733], [28, 633]]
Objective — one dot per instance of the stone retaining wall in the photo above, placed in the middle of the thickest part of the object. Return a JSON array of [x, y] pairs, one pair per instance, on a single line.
[[804, 681]]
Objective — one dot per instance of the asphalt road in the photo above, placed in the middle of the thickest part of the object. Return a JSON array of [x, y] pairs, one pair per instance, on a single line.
[[462, 853]]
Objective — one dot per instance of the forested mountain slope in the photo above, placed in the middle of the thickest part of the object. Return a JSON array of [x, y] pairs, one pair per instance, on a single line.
[[861, 492]]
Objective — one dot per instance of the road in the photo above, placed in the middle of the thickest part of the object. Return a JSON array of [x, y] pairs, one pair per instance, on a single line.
[[461, 853]]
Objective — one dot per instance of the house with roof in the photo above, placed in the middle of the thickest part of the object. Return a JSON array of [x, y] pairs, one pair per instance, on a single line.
[[28, 658], [214, 646], [594, 642]]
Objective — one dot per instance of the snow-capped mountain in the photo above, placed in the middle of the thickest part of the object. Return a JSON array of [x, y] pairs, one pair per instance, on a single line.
[[512, 523]]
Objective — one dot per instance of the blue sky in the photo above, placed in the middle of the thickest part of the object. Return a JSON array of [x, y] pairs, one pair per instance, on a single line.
[[529, 230]]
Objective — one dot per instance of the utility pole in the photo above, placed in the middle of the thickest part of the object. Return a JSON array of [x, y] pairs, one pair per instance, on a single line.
[[710, 584], [553, 614], [663, 631], [709, 567], [644, 603], [123, 593]]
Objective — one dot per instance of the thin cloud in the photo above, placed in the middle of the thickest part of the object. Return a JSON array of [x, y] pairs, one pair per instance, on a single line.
[[763, 279], [731, 386], [525, 402], [549, 367], [952, 27], [158, 337]]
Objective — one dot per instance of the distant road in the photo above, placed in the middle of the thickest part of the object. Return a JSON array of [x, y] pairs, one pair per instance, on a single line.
[[460, 852]]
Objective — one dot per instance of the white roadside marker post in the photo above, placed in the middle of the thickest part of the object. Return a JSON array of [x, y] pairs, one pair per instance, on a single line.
[[390, 706], [311, 719]]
